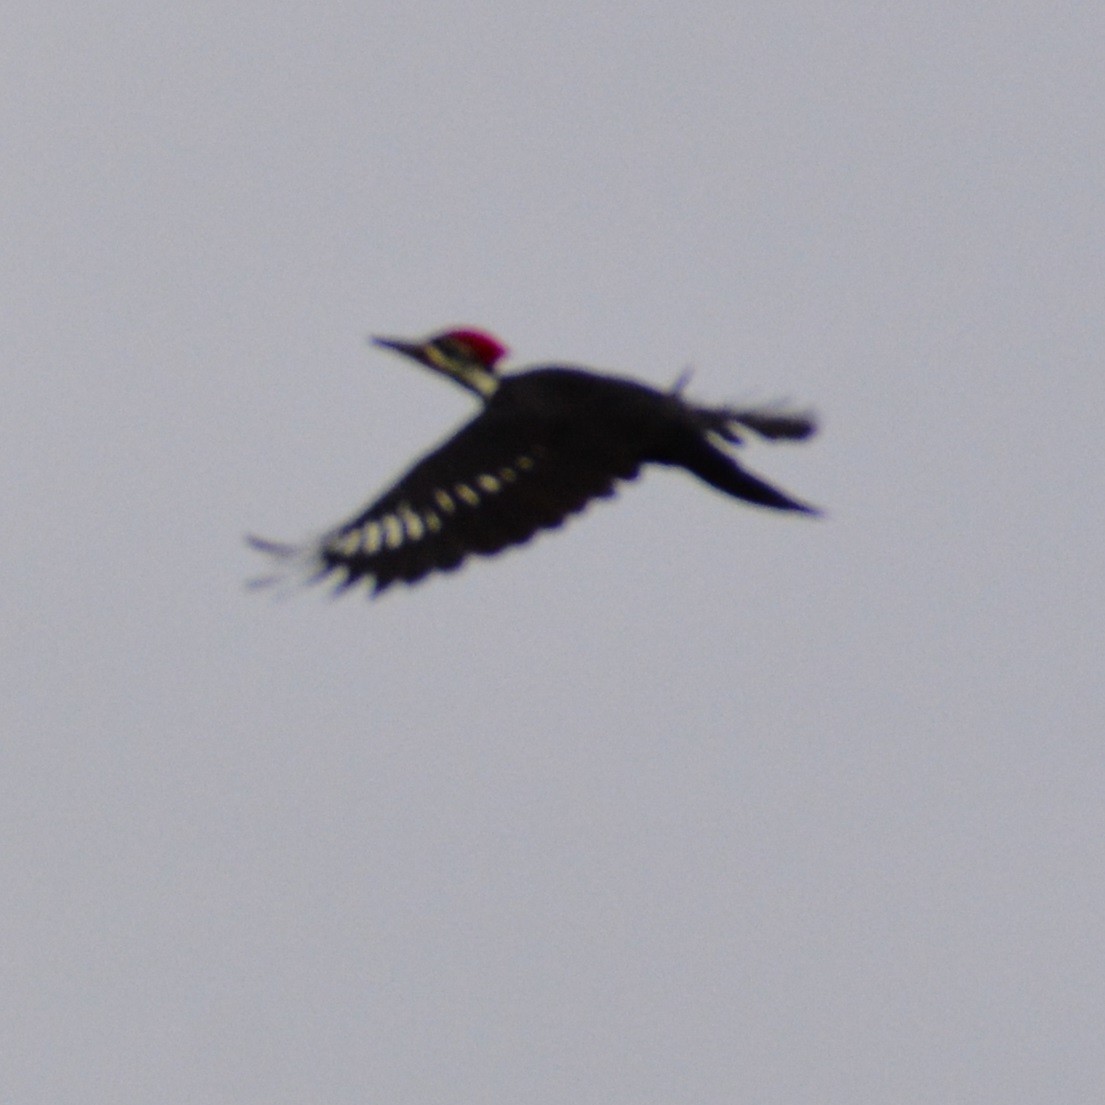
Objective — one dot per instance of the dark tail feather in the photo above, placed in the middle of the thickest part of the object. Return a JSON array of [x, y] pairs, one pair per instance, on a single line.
[[775, 425], [770, 423], [719, 470]]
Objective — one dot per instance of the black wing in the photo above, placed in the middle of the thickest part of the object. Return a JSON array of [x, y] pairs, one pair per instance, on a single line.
[[502, 478]]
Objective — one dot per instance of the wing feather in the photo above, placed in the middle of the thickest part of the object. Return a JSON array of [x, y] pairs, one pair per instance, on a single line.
[[501, 479]]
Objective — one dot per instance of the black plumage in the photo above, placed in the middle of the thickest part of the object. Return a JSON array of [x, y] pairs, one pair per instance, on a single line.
[[547, 441]]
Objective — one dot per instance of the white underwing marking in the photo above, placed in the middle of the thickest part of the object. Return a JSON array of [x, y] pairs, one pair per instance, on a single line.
[[507, 474], [433, 522], [393, 531], [466, 494], [445, 501], [347, 544], [372, 538], [488, 483], [525, 463], [412, 523]]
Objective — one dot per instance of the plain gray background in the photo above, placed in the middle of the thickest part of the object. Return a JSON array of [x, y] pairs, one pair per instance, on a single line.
[[688, 802]]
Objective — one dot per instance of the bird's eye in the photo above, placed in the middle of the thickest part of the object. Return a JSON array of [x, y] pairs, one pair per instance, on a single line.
[[453, 348]]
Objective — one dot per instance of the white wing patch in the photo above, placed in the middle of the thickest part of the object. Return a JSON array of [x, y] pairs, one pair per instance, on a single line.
[[348, 544], [404, 525], [393, 531], [412, 524], [388, 533], [372, 537]]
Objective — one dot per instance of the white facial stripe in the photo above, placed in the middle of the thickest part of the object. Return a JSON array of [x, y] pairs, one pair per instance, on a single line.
[[466, 494], [437, 357]]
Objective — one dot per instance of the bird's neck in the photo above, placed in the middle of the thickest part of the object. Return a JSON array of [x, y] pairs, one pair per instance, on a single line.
[[476, 378]]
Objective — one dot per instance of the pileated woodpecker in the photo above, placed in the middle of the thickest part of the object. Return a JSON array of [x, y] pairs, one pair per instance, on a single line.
[[547, 441]]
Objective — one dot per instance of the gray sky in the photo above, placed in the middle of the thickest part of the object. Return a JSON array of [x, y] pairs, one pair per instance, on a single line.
[[688, 802]]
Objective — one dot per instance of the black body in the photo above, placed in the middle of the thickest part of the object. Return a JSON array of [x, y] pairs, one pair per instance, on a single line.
[[547, 441]]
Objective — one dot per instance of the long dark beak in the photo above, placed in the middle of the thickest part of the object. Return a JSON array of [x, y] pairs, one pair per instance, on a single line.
[[416, 350]]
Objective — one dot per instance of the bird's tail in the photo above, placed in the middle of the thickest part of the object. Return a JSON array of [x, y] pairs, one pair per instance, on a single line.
[[707, 460], [720, 470], [771, 423]]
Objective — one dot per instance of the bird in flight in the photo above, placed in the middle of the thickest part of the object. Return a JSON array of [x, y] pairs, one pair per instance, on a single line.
[[546, 441]]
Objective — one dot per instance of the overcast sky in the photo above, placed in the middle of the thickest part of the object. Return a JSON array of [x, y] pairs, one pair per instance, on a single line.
[[687, 802]]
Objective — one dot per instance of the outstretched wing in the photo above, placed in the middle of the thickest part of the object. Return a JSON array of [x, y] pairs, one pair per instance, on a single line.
[[502, 478]]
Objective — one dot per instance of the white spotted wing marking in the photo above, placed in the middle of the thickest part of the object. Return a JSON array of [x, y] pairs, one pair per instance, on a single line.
[[408, 524], [389, 531], [364, 540], [466, 494], [393, 530], [413, 526], [348, 544], [372, 537]]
